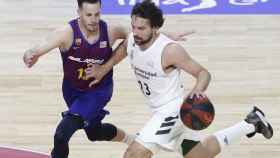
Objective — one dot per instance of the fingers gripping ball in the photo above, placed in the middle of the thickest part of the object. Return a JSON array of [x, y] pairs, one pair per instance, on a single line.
[[197, 113]]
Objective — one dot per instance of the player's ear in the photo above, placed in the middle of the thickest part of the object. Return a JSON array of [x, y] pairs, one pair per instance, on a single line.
[[155, 30]]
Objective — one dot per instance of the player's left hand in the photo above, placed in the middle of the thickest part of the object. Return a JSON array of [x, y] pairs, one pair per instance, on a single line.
[[181, 36], [95, 71]]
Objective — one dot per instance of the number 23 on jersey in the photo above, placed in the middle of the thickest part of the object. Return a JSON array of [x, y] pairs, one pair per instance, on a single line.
[[144, 88]]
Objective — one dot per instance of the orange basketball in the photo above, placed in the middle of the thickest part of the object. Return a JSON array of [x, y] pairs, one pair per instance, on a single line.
[[197, 113]]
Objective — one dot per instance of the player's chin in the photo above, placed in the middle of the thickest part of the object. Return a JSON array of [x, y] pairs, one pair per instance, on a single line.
[[92, 28]]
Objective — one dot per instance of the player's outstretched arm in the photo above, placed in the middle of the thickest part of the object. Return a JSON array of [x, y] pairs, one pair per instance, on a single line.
[[121, 32], [178, 36], [56, 39], [175, 55], [116, 32]]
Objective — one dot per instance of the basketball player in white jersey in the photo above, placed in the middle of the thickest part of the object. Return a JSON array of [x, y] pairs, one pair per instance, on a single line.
[[157, 61]]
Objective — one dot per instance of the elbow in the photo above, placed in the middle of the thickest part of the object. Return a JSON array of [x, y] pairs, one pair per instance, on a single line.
[[206, 77], [205, 74], [209, 76]]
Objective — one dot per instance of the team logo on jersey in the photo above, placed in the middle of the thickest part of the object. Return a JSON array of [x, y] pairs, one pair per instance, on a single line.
[[78, 42], [103, 44]]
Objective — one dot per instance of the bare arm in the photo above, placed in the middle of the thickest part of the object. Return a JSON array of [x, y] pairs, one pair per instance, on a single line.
[[115, 33], [119, 54], [57, 39], [121, 32], [178, 36], [176, 56], [99, 71]]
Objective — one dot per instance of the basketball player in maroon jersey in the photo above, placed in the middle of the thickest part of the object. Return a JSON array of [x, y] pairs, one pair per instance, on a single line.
[[85, 41]]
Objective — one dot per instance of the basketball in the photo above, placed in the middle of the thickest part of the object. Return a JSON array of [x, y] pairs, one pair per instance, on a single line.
[[197, 113]]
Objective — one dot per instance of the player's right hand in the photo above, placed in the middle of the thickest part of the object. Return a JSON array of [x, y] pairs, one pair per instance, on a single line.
[[30, 58], [196, 93]]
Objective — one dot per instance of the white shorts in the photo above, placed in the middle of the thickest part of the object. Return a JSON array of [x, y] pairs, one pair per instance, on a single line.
[[165, 130]]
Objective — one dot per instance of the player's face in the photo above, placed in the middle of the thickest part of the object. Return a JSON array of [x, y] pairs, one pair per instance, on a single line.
[[90, 16], [142, 30]]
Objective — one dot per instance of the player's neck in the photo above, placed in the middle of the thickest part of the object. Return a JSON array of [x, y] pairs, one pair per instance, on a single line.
[[150, 43]]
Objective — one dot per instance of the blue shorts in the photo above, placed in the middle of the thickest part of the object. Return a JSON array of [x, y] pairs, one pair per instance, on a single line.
[[87, 104]]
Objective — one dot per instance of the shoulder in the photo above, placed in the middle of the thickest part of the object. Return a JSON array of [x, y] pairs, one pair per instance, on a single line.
[[173, 48], [64, 35], [65, 30], [173, 52]]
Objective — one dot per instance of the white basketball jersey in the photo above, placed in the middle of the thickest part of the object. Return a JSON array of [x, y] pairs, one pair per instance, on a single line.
[[158, 87]]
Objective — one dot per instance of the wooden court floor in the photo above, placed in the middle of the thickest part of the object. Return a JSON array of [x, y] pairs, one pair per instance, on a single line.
[[241, 52]]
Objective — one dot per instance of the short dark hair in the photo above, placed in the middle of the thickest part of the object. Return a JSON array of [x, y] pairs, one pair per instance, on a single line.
[[148, 10], [80, 2]]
